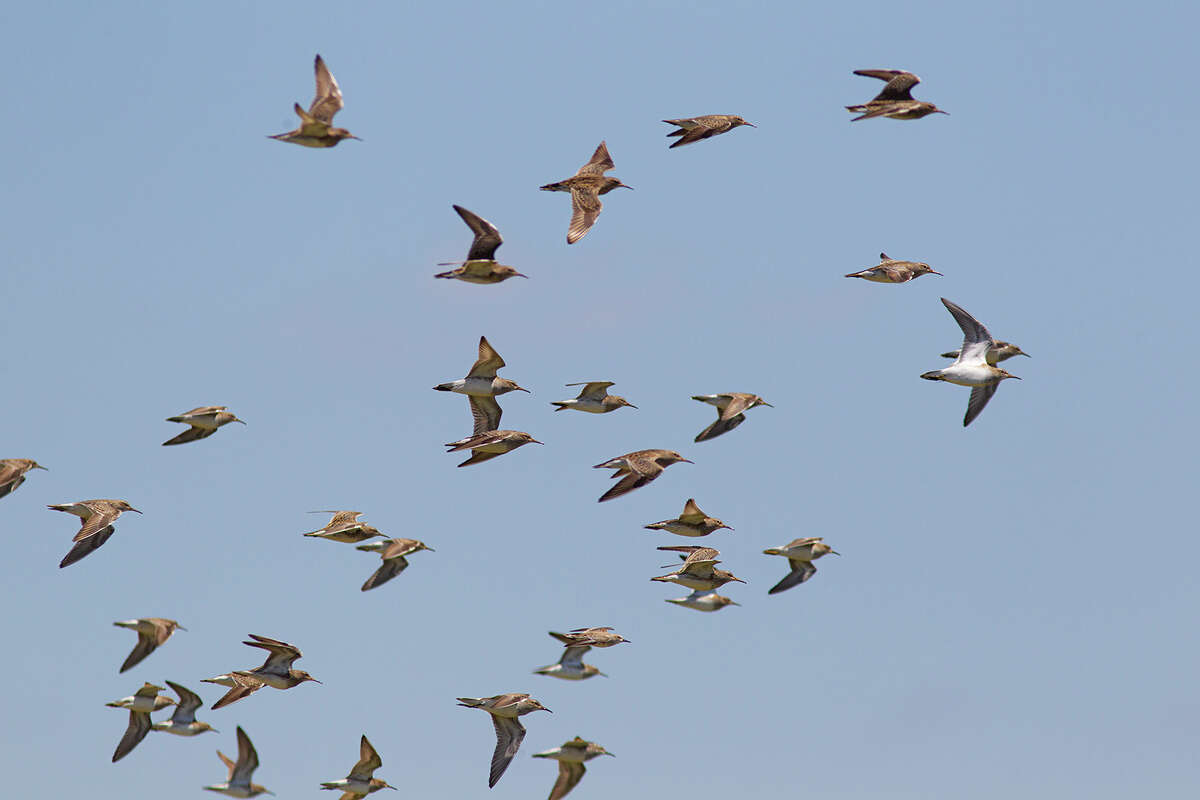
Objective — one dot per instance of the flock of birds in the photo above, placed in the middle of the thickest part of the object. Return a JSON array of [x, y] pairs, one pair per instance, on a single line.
[[974, 365]]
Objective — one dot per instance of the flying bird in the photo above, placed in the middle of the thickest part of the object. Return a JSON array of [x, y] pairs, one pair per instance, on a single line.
[[12, 473], [393, 552], [96, 528], [730, 411], [1000, 351], [238, 783], [971, 368], [800, 554], [360, 782], [692, 522], [895, 100], [152, 632], [570, 757], [638, 468], [693, 129], [593, 398], [890, 270], [481, 381], [481, 265], [570, 666], [344, 527], [591, 637], [183, 720], [275, 672], [316, 125], [585, 187], [203, 422], [504, 708]]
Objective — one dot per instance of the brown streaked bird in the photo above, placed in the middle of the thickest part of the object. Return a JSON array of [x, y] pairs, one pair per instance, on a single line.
[[393, 552], [999, 351], [344, 527], [238, 783], [890, 270], [638, 468], [145, 700], [203, 422], [585, 187], [570, 666], [570, 757], [96, 514], [692, 522], [489, 444], [972, 367], [593, 398], [275, 672], [360, 783], [12, 473], [895, 100], [504, 708], [152, 632], [703, 601], [481, 265], [316, 125], [481, 381], [730, 411], [800, 554], [698, 571], [693, 129], [183, 721], [592, 637]]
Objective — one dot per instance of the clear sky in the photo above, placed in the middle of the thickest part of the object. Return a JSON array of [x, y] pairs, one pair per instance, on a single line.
[[1014, 612]]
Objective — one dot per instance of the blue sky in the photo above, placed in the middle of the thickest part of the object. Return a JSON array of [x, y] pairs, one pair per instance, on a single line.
[[1013, 613]]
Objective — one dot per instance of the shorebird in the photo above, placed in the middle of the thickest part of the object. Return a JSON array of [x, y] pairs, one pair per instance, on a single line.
[[183, 721], [96, 528], [360, 783], [238, 783], [585, 187], [344, 527], [96, 514], [593, 398], [638, 468], [730, 411], [592, 637], [698, 571], [393, 552], [144, 700], [693, 129], [895, 100], [12, 473], [489, 444], [204, 422], [570, 666], [275, 672], [800, 554], [1000, 351], [703, 601], [504, 708], [971, 368], [480, 266], [139, 726], [481, 381], [570, 758], [692, 522], [316, 125], [889, 270], [152, 632]]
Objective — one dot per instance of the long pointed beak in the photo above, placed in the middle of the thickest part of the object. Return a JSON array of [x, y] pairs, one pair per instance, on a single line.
[[727, 527], [751, 124], [765, 403], [935, 272], [835, 552], [314, 680], [134, 509], [39, 466], [1020, 354], [235, 419], [687, 461], [518, 275], [947, 113], [180, 628], [535, 441]]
